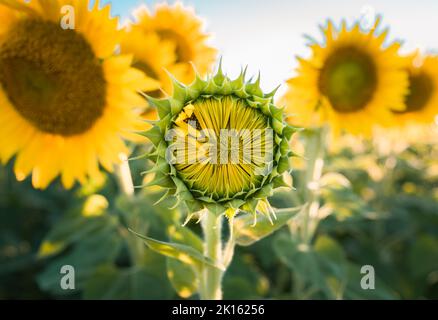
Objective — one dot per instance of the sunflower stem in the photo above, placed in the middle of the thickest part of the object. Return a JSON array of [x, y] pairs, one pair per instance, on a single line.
[[315, 148], [124, 177], [212, 276], [231, 243], [126, 186]]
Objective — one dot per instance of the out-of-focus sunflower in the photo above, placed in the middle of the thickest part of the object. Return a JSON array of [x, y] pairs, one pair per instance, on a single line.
[[422, 99], [152, 56], [181, 26], [351, 81], [65, 98]]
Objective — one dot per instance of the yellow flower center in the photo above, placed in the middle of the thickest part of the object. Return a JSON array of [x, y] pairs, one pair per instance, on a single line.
[[52, 77], [420, 92], [183, 51], [348, 79], [224, 147]]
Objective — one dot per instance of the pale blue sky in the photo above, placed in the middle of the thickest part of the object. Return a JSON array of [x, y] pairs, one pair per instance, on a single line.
[[267, 35]]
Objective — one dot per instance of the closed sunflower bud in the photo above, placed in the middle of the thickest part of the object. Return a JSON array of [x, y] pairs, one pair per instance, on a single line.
[[220, 144]]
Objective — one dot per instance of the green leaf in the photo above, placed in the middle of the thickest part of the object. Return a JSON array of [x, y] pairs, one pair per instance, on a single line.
[[246, 233], [111, 283], [302, 261], [184, 235], [100, 248], [332, 264], [344, 202], [319, 269], [327, 247], [423, 255], [182, 277], [238, 288], [355, 291], [183, 253], [70, 229]]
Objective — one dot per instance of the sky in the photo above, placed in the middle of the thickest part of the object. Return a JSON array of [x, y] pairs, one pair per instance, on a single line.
[[266, 35]]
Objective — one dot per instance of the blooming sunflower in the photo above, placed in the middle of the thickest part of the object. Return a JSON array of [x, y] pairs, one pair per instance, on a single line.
[[351, 81], [220, 144], [65, 98], [152, 56], [422, 99], [182, 27]]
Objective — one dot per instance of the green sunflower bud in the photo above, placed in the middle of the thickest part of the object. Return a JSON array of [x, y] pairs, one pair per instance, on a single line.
[[220, 144]]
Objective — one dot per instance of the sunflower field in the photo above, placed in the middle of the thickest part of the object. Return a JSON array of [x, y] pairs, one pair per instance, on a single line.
[[137, 163]]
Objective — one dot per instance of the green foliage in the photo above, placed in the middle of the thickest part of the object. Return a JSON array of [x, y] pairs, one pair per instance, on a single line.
[[183, 278], [180, 252], [372, 214], [249, 229]]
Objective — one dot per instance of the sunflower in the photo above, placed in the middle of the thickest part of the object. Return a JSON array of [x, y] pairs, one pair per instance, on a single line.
[[65, 99], [351, 81], [220, 144], [182, 27], [422, 99], [221, 113], [152, 56]]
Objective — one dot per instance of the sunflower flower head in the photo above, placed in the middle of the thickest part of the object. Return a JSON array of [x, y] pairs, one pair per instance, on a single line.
[[351, 81], [220, 144], [422, 98], [180, 26], [65, 98], [152, 56]]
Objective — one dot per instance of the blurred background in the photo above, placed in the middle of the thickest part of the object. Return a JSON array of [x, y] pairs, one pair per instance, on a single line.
[[385, 215], [267, 37]]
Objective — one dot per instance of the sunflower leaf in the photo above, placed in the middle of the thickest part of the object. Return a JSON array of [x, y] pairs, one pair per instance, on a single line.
[[180, 252], [182, 277], [247, 233]]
